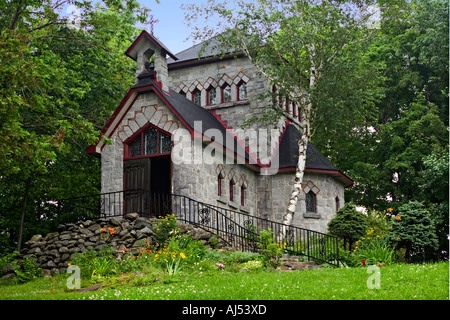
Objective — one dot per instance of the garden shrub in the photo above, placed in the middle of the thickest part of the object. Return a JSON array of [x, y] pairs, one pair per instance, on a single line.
[[96, 264], [270, 250], [414, 230], [241, 256], [373, 250], [165, 228], [348, 224], [26, 269], [252, 265]]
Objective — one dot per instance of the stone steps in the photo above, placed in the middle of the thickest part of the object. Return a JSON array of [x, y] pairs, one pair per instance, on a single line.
[[292, 263]]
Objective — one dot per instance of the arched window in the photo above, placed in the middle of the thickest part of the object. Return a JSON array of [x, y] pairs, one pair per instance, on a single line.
[[219, 183], [311, 202], [242, 91], [232, 184], [211, 96], [338, 206], [148, 142], [197, 97], [243, 188], [226, 93]]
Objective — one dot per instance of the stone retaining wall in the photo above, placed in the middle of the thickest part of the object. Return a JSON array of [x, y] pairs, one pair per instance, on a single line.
[[54, 251]]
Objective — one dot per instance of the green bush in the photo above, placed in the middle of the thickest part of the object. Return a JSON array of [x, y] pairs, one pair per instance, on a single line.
[[252, 265], [25, 269], [270, 250], [95, 264], [348, 224], [376, 252], [165, 228], [414, 230], [241, 256]]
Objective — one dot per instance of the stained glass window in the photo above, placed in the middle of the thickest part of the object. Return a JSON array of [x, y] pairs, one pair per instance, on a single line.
[[150, 142], [165, 143], [212, 96], [242, 91], [135, 148], [310, 202], [226, 94], [197, 97]]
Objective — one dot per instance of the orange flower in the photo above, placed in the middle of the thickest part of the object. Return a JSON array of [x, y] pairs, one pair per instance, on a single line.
[[398, 218], [390, 209], [103, 229]]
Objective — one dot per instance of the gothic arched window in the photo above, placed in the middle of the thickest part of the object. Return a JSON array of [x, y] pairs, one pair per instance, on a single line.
[[211, 96], [226, 93], [242, 91], [148, 142], [311, 202], [197, 97]]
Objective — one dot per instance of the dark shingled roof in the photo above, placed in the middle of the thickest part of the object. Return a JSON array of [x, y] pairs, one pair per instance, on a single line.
[[289, 152], [315, 160], [189, 112], [211, 49]]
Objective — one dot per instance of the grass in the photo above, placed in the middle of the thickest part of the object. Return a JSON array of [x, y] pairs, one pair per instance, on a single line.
[[397, 282]]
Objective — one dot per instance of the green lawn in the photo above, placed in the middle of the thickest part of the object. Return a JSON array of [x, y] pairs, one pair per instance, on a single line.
[[397, 282]]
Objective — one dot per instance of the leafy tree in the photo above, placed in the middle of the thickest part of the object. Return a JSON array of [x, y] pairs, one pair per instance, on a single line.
[[348, 224], [436, 193], [58, 85], [386, 159], [311, 51], [415, 229]]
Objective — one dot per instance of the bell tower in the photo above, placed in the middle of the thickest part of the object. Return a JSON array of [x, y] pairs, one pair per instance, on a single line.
[[146, 50]]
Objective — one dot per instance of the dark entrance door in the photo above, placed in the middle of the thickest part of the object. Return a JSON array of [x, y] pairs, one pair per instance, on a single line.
[[147, 185]]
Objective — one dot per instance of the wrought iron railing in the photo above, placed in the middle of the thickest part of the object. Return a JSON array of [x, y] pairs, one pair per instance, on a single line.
[[238, 229]]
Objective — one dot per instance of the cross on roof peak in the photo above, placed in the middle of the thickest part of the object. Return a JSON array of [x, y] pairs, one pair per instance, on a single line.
[[152, 21]]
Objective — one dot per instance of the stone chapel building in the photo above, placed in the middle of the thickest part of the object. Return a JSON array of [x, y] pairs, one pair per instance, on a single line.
[[208, 98]]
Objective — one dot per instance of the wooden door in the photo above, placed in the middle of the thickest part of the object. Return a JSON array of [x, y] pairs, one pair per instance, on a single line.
[[137, 185]]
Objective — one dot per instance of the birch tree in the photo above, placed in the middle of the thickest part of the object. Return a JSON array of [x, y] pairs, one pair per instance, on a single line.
[[313, 52]]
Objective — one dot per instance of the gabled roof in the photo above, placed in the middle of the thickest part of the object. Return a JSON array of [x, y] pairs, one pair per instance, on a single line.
[[188, 112], [132, 50], [315, 160]]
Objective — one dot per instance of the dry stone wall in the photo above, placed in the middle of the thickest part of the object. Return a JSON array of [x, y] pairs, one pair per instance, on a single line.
[[54, 251]]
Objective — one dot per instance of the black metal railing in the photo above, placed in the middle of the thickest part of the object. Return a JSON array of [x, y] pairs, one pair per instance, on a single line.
[[238, 229]]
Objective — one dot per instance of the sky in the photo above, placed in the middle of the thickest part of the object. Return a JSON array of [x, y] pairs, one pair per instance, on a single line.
[[171, 28]]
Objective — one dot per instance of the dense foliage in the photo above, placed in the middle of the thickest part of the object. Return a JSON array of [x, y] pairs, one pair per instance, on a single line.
[[59, 83]]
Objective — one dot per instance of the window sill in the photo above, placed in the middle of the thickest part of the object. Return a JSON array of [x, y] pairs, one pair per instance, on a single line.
[[311, 215], [227, 104]]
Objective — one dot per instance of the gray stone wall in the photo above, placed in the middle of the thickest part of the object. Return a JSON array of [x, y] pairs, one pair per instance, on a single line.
[[265, 196], [329, 188], [147, 108]]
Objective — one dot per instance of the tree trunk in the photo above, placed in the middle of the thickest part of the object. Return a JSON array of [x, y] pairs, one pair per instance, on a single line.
[[300, 170], [24, 210]]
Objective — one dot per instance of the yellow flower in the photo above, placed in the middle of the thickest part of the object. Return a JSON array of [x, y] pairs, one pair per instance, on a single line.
[[182, 255]]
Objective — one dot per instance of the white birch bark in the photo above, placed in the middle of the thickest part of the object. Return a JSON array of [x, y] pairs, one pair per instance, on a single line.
[[302, 146]]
